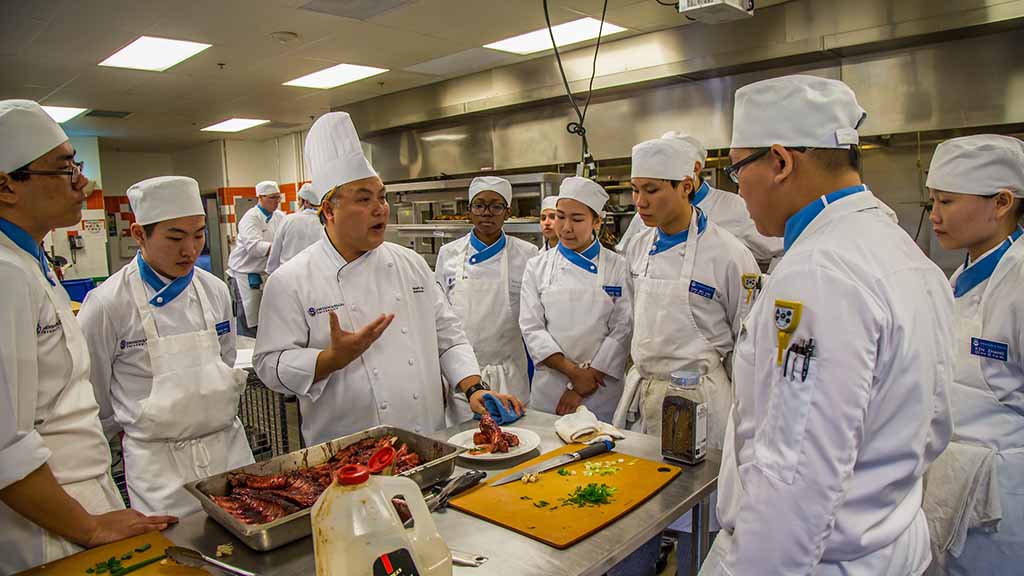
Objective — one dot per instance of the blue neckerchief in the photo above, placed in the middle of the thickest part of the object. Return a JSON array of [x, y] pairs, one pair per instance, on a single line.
[[799, 221], [666, 241], [584, 260], [701, 193], [267, 215], [483, 251], [164, 292], [26, 243], [981, 270]]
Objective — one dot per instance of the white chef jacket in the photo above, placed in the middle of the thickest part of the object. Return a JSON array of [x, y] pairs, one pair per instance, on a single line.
[[827, 469], [397, 381], [255, 235], [298, 232], [517, 250], [121, 373], [721, 263], [729, 211]]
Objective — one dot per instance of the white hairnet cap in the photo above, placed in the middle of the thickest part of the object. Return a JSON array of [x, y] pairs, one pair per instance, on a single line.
[[664, 158], [307, 194], [702, 152], [495, 183], [267, 187], [165, 198], [584, 190], [981, 165], [796, 111], [334, 155], [26, 133], [549, 203]]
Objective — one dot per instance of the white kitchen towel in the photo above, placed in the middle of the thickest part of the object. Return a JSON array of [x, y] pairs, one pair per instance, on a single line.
[[583, 426]]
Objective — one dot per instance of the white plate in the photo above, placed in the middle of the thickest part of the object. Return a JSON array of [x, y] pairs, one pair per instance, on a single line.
[[528, 440]]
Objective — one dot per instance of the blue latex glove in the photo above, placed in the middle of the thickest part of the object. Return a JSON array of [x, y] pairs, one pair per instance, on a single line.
[[498, 411]]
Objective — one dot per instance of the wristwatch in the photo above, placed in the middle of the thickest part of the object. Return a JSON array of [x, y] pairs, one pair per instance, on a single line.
[[476, 387]]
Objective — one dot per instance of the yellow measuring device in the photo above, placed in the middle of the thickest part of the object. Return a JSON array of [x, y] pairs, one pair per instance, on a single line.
[[787, 318], [750, 284]]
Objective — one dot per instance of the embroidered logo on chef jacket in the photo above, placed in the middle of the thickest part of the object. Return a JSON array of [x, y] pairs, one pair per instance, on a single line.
[[323, 309], [990, 349], [613, 291], [223, 327], [702, 289], [133, 344], [418, 289], [48, 329]]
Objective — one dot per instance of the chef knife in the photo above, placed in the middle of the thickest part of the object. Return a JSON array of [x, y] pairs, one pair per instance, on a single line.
[[590, 451], [189, 557]]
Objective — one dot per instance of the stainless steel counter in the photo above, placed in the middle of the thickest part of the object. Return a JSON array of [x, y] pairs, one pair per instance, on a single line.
[[509, 553]]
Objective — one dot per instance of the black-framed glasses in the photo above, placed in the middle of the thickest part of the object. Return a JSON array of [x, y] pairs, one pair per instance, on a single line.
[[733, 170], [74, 171], [481, 209]]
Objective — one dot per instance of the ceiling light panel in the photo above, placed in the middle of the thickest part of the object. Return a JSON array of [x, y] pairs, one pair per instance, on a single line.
[[335, 76], [235, 125], [565, 34], [61, 114], [154, 54]]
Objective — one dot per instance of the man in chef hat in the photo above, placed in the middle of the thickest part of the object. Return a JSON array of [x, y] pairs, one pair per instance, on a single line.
[[56, 494], [356, 327], [163, 352], [842, 365], [299, 230], [247, 263], [548, 218]]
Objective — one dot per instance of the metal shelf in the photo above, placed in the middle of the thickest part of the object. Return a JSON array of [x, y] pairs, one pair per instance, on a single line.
[[456, 229]]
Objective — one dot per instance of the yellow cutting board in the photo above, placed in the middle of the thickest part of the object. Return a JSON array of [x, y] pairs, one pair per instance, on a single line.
[[77, 564], [516, 505]]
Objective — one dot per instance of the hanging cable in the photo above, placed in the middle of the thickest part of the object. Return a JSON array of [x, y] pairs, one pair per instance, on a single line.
[[587, 165]]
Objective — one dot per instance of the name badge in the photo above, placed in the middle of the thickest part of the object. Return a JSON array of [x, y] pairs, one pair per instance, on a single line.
[[613, 291], [990, 349], [702, 289], [223, 327]]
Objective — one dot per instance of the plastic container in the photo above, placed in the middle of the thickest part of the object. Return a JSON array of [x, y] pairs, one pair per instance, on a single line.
[[77, 289], [684, 419], [357, 531]]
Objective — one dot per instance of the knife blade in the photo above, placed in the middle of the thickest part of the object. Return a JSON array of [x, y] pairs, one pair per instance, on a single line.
[[590, 451]]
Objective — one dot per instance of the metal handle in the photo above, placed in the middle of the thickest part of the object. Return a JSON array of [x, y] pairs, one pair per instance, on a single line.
[[594, 449], [227, 567]]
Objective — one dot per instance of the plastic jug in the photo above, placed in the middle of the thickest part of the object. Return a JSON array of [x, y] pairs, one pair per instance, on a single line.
[[357, 531]]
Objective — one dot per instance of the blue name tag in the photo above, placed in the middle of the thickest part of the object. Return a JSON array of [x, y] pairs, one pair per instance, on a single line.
[[990, 349], [613, 291], [702, 289], [223, 327]]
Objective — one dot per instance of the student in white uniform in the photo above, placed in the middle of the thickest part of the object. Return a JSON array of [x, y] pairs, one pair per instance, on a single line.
[[163, 350], [977, 186], [725, 209], [548, 217], [356, 327], [247, 263], [576, 312], [841, 368], [298, 231], [56, 494], [481, 275]]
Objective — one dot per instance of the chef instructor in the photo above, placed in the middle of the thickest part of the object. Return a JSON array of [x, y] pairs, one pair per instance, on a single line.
[[355, 327], [56, 494]]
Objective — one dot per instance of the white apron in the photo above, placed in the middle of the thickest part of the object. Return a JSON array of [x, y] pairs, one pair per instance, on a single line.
[[188, 429], [486, 313], [980, 418], [251, 297], [22, 543], [577, 318]]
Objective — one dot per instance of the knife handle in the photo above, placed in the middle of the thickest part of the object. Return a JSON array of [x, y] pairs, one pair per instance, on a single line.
[[594, 449]]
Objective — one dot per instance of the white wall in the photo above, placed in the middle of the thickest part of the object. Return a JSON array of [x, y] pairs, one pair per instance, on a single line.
[[205, 163], [122, 169], [251, 162]]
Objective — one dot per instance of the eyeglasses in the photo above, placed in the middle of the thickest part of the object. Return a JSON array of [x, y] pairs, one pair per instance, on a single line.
[[74, 171], [733, 171], [481, 209]]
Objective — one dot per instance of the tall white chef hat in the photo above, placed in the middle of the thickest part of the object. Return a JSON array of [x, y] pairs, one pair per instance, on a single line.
[[980, 165], [702, 152], [26, 133], [796, 111], [165, 198], [664, 158], [307, 194], [267, 188], [586, 191], [494, 183], [334, 155], [549, 203]]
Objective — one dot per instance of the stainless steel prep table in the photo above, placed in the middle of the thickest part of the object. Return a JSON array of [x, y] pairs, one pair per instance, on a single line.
[[509, 553]]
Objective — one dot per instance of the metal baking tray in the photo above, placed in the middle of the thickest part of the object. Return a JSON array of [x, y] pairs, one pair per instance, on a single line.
[[440, 463]]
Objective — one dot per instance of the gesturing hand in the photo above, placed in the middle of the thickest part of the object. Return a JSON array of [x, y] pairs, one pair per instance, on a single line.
[[347, 346]]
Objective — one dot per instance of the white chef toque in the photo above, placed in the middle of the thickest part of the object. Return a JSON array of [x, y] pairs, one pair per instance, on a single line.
[[586, 191], [702, 152], [493, 183], [307, 194], [334, 155], [267, 188], [549, 203], [665, 159], [26, 133], [165, 198], [980, 165]]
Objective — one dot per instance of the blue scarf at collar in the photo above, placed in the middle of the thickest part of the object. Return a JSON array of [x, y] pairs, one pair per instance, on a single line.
[[981, 270], [585, 260], [483, 251], [23, 240], [266, 215], [799, 221], [164, 292], [665, 242]]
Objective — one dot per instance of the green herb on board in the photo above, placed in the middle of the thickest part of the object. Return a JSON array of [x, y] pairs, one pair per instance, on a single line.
[[590, 495], [563, 472]]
